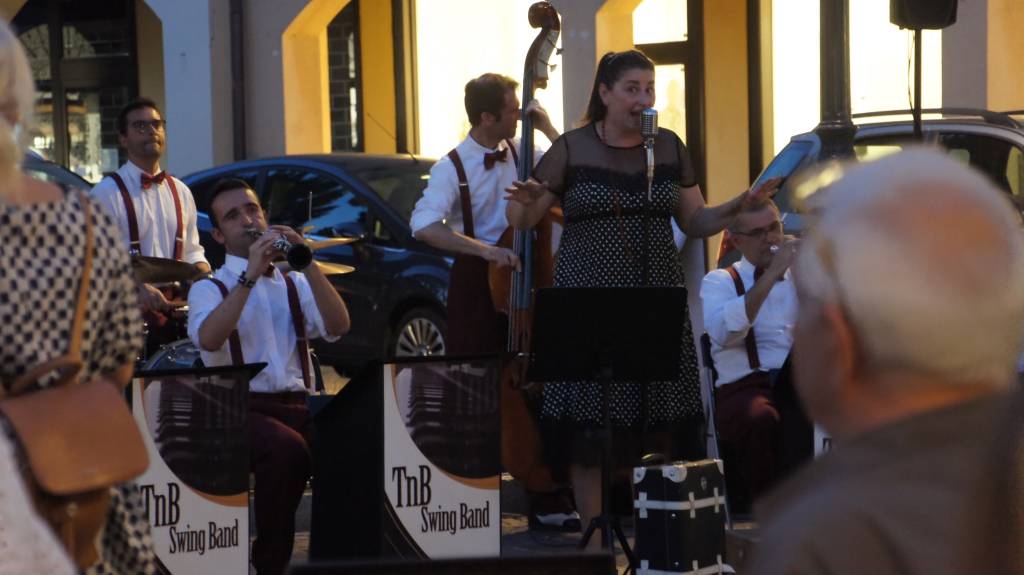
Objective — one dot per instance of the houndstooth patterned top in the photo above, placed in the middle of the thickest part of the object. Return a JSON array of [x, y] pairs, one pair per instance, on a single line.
[[41, 258]]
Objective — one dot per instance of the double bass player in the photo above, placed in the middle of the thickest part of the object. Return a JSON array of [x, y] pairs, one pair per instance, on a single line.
[[463, 211]]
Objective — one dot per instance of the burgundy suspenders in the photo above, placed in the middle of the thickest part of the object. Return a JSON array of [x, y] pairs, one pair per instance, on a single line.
[[298, 322], [467, 205], [752, 357], [234, 343], [134, 246]]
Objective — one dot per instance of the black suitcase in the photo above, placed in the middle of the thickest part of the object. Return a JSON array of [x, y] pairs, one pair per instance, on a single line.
[[679, 513]]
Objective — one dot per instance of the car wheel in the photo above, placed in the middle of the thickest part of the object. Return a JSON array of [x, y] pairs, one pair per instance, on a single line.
[[420, 332]]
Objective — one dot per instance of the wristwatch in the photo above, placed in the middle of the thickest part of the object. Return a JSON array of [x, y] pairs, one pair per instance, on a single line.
[[244, 281]]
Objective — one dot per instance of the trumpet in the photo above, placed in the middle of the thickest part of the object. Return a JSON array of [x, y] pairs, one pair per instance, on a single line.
[[299, 256]]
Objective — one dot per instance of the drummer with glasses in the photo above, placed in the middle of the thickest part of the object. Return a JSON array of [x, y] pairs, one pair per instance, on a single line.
[[157, 218]]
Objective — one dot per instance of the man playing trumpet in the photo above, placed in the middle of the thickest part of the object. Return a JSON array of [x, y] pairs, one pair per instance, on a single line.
[[250, 312]]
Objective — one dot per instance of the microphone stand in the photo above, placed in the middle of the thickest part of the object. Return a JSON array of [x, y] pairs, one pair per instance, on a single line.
[[649, 149]]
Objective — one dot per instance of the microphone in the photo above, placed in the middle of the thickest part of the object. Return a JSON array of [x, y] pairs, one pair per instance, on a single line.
[[649, 123], [649, 129]]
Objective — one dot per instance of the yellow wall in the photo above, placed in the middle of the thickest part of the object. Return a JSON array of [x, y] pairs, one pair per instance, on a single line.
[[725, 93], [150, 54], [377, 76], [307, 116], [614, 26], [1005, 51], [9, 8]]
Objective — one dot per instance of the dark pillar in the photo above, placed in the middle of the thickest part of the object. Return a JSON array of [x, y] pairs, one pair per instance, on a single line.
[[836, 129]]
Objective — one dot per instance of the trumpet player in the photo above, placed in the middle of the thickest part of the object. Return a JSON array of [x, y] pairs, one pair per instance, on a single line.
[[749, 314], [251, 312]]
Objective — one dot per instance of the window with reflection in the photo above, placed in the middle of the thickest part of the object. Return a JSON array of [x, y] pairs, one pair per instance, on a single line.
[[315, 203]]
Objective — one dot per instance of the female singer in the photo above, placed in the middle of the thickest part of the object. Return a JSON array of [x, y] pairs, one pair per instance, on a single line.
[[597, 173]]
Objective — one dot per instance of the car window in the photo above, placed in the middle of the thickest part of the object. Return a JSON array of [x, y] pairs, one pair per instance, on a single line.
[[201, 189], [988, 154], [400, 185], [336, 209], [1015, 171], [867, 151]]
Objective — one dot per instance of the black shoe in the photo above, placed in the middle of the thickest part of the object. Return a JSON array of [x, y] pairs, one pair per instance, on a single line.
[[560, 522]]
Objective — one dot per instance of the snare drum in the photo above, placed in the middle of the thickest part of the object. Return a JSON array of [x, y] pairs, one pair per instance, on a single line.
[[181, 354]]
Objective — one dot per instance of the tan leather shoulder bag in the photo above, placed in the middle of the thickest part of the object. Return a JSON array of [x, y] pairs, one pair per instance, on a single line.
[[79, 438]]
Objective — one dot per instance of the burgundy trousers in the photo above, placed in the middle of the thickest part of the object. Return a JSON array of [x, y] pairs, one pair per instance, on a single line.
[[280, 456], [748, 424], [474, 326]]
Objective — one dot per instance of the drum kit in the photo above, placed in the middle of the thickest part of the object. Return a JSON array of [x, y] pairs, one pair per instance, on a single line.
[[173, 348]]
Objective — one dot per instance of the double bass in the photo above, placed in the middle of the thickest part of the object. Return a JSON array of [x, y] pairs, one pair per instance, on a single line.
[[512, 291]]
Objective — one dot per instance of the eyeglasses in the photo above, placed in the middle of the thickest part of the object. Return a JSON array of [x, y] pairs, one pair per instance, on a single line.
[[762, 233], [144, 126]]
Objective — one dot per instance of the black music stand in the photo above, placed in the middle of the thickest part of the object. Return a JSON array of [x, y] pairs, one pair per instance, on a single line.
[[605, 335]]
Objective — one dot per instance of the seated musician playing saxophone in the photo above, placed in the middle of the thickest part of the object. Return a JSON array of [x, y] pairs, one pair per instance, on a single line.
[[251, 312], [468, 220]]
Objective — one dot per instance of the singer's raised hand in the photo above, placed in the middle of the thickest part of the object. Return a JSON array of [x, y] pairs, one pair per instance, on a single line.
[[527, 192], [762, 194]]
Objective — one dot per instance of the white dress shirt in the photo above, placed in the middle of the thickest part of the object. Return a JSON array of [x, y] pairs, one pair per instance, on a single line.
[[265, 327], [725, 319], [441, 201], [154, 208]]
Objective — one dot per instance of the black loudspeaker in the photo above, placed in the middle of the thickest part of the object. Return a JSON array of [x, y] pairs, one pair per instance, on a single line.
[[596, 563], [923, 14]]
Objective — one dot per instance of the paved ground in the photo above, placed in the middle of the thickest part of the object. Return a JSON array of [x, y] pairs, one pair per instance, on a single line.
[[516, 538]]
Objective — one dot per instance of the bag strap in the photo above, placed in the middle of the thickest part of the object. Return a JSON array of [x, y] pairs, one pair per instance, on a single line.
[[69, 364], [467, 205], [752, 357], [299, 321], [234, 342]]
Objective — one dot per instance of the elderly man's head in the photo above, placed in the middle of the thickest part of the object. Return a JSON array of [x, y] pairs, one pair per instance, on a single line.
[[914, 273]]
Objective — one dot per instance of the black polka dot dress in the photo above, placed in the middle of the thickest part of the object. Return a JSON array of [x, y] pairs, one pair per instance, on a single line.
[[603, 191], [41, 258]]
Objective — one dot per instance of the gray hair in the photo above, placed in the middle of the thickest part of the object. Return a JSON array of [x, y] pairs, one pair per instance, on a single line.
[[17, 97], [927, 260]]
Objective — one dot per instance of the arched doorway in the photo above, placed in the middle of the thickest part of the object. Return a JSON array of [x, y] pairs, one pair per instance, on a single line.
[[83, 58]]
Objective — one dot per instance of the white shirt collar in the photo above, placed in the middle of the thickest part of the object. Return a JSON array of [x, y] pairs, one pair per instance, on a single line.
[[746, 268], [477, 147], [136, 172]]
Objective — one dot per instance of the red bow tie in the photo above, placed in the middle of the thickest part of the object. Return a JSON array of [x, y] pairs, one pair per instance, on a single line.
[[495, 156], [148, 180]]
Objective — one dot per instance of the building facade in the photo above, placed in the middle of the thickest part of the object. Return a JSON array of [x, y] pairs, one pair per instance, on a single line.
[[252, 78]]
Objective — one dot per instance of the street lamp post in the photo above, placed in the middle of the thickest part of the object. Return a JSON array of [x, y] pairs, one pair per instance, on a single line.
[[836, 129]]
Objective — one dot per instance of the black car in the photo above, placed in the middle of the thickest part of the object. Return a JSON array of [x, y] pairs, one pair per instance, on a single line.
[[397, 294], [40, 168]]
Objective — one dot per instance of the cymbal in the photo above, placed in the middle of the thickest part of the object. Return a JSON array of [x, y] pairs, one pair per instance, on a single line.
[[333, 269], [327, 267], [329, 243], [157, 270]]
